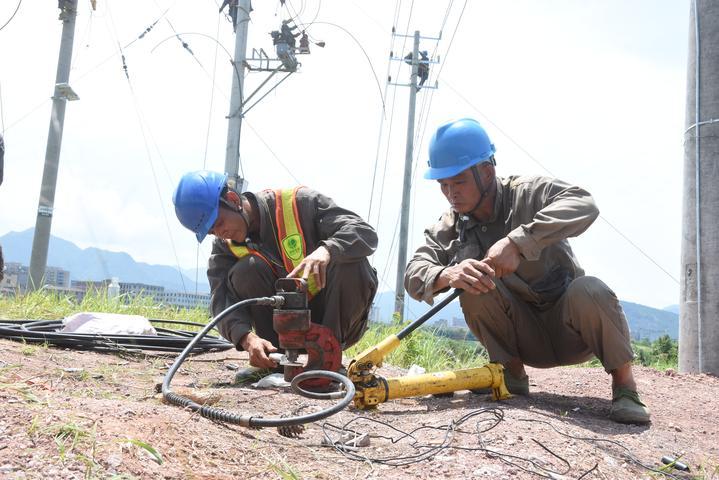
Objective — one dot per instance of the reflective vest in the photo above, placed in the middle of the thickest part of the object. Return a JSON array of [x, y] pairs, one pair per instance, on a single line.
[[289, 237]]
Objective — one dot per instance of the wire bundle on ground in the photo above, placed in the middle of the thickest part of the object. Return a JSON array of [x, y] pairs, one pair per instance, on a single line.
[[166, 340]]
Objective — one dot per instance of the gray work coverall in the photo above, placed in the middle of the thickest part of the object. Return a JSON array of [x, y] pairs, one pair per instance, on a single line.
[[547, 313], [343, 305]]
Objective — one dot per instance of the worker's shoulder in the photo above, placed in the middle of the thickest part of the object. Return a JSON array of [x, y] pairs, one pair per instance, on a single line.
[[445, 223], [528, 181]]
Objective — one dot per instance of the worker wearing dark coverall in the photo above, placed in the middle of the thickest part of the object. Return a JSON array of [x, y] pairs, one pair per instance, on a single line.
[[338, 243], [504, 242]]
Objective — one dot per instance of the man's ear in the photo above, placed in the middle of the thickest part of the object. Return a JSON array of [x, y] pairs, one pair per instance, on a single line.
[[486, 170]]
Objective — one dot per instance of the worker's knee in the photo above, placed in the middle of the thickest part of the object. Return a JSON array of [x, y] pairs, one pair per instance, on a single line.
[[482, 303], [251, 277], [588, 288], [358, 276]]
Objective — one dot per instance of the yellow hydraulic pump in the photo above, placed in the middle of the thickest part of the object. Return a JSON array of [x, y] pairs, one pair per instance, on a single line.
[[372, 389]]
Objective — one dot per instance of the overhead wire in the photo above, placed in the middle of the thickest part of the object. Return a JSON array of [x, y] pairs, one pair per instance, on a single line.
[[389, 132], [92, 69], [420, 139], [272, 152], [207, 141], [142, 125], [382, 119], [11, 16]]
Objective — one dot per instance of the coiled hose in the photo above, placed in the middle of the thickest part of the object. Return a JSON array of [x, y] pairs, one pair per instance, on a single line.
[[167, 340], [249, 420]]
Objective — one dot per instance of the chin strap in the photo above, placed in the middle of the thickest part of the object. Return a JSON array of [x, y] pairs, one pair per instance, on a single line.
[[483, 191], [238, 209], [243, 214]]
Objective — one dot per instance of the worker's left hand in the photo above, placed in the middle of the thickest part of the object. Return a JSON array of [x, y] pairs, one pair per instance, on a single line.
[[313, 264], [504, 257]]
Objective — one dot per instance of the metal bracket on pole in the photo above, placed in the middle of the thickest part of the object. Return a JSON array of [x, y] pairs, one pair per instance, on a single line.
[[63, 91]]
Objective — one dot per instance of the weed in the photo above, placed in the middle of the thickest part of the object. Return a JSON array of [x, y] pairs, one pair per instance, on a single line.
[[284, 470], [33, 428], [67, 436], [23, 390], [145, 446]]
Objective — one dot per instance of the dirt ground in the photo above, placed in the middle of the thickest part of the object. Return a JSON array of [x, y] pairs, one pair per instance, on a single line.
[[70, 415]]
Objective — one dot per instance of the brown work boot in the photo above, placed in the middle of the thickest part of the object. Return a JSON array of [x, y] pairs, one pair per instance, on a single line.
[[627, 407]]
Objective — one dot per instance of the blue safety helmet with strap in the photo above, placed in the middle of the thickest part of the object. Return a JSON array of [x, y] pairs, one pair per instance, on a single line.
[[197, 199], [456, 146]]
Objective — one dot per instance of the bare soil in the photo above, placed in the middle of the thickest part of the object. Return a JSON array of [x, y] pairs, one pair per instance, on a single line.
[[70, 414]]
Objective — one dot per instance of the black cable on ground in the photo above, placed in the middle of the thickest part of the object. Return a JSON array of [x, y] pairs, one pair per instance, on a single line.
[[167, 340], [249, 420], [485, 420]]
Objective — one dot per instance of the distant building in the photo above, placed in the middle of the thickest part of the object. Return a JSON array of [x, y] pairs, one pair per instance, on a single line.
[[458, 322], [17, 276], [57, 279], [186, 300]]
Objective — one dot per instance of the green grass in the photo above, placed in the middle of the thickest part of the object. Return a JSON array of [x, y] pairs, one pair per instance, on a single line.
[[50, 305], [428, 347], [424, 348]]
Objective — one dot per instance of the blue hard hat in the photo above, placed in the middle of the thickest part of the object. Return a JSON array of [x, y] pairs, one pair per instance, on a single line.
[[456, 146], [197, 199]]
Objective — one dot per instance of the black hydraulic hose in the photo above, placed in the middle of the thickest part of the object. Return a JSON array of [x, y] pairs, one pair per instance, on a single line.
[[167, 340], [414, 325], [249, 420]]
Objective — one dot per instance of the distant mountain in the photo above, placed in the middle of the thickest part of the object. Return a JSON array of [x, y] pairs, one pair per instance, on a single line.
[[672, 308], [97, 264], [644, 322]]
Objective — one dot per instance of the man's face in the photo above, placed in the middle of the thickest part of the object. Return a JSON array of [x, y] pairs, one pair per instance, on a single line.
[[229, 225], [461, 191]]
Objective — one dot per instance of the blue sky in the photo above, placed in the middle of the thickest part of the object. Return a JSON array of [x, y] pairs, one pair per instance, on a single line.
[[592, 92]]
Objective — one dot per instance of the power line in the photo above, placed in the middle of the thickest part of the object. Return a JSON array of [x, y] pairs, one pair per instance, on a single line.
[[12, 16], [138, 112]]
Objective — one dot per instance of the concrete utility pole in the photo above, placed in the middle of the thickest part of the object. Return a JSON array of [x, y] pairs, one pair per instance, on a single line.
[[407, 185], [699, 303], [63, 93], [234, 128]]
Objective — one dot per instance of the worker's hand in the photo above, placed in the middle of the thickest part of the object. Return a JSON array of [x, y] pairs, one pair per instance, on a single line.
[[471, 275], [313, 264], [504, 257], [258, 348]]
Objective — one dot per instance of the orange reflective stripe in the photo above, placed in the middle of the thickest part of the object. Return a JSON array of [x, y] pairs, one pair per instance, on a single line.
[[290, 236]]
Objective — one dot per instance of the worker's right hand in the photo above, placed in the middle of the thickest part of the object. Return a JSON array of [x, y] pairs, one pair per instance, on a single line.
[[258, 348], [471, 275]]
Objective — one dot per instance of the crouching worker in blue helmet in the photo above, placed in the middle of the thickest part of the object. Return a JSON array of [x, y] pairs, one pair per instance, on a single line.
[[263, 236], [504, 242]]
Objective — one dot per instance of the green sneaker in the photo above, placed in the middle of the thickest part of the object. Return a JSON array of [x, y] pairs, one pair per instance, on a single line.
[[516, 386], [627, 408]]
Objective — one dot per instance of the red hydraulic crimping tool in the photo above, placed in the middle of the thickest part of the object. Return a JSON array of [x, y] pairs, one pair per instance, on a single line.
[[297, 333]]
